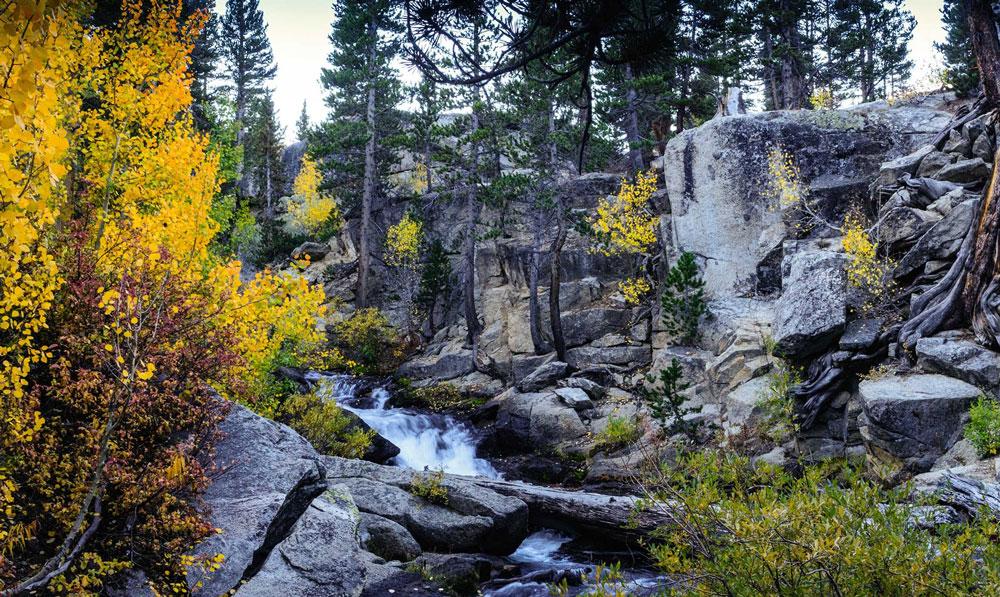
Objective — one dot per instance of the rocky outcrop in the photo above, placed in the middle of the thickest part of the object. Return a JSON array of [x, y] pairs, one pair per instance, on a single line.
[[962, 358], [812, 309], [536, 422], [716, 177], [911, 421]]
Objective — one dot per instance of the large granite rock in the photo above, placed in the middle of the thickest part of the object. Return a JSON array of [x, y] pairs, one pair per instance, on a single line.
[[536, 422], [911, 421], [441, 363], [962, 358], [812, 310], [941, 241], [546, 374], [716, 176], [472, 519], [629, 357], [387, 539], [267, 478], [320, 558]]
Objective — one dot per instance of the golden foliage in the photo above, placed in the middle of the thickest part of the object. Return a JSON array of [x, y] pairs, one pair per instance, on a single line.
[[784, 183], [624, 224], [867, 271], [402, 242], [634, 289], [309, 208]]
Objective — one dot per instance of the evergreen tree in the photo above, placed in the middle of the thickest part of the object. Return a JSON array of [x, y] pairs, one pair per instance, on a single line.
[[786, 52], [302, 124], [249, 62], [870, 53], [427, 129], [435, 281], [961, 72], [358, 140], [263, 166], [204, 57]]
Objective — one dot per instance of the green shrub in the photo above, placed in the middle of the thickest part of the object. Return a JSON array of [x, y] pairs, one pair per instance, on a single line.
[[778, 403], [746, 529], [983, 429], [367, 339], [325, 425], [665, 401], [436, 397], [620, 432], [429, 486], [683, 299]]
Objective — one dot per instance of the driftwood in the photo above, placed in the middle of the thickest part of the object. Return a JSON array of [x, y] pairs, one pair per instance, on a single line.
[[969, 495], [618, 519]]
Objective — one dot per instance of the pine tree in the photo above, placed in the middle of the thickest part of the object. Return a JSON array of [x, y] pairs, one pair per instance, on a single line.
[[362, 93], [786, 52], [302, 124], [870, 53], [263, 166], [249, 61], [961, 73], [204, 57], [426, 128]]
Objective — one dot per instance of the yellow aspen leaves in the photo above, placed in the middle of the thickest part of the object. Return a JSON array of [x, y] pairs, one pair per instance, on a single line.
[[309, 208], [623, 223], [402, 242]]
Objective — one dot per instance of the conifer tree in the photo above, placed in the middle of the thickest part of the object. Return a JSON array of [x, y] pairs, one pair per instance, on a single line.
[[302, 124], [204, 58], [263, 153], [871, 49], [249, 62], [356, 141], [961, 73]]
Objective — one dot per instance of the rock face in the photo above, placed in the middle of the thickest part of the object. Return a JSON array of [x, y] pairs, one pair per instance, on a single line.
[[270, 476], [716, 176], [812, 309], [536, 422], [911, 421]]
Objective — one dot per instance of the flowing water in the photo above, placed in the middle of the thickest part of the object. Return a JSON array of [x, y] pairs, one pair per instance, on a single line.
[[431, 441]]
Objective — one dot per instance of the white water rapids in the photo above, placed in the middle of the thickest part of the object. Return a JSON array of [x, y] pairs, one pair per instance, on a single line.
[[426, 441]]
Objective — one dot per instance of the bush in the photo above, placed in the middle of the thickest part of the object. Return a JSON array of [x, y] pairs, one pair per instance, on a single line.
[[777, 402], [620, 432], [325, 425], [437, 397], [983, 429], [429, 486], [683, 299], [367, 340], [745, 529]]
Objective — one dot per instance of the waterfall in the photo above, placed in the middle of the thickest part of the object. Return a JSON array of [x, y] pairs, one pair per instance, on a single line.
[[426, 441]]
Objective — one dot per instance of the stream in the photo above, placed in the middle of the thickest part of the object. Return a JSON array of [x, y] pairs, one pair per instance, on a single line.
[[433, 441]]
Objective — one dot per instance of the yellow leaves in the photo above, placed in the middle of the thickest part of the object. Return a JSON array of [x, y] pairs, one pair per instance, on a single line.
[[402, 242], [634, 289], [623, 224], [308, 208], [784, 183], [866, 270]]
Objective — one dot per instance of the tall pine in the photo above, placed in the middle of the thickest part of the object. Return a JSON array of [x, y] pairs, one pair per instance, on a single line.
[[264, 169], [961, 73], [249, 63], [356, 141], [204, 58], [871, 50]]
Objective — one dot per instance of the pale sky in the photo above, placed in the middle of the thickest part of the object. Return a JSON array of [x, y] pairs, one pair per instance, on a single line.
[[298, 31]]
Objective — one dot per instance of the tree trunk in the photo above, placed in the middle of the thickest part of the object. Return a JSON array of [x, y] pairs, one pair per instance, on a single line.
[[364, 262], [632, 121], [472, 325], [241, 133], [986, 46], [534, 307], [555, 275]]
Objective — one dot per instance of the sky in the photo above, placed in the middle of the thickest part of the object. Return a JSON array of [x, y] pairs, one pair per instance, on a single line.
[[298, 31]]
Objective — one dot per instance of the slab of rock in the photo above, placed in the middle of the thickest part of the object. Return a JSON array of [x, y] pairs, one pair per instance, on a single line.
[[861, 334], [902, 226], [269, 476], [913, 420], [574, 398], [941, 241], [522, 365], [889, 172], [812, 310], [586, 325], [742, 407], [387, 539], [452, 361], [932, 164], [544, 376], [321, 557], [964, 171], [957, 143], [962, 358], [622, 356], [982, 147], [536, 421], [593, 389]]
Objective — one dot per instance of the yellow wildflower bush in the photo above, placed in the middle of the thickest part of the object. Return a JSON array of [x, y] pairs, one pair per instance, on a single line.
[[308, 209], [624, 224]]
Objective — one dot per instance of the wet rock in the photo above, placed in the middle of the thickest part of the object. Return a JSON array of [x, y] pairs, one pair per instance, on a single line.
[[321, 556], [544, 376], [965, 171], [387, 539], [380, 450], [940, 242], [812, 309], [910, 421], [460, 572], [962, 358]]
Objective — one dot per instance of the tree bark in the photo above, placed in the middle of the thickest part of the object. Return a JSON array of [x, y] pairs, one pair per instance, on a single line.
[[632, 121], [472, 325], [555, 276], [364, 262]]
